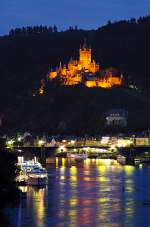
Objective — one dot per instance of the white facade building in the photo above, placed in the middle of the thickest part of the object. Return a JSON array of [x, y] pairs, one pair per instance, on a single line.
[[116, 117]]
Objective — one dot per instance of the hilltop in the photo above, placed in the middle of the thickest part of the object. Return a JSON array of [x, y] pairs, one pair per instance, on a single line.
[[27, 55]]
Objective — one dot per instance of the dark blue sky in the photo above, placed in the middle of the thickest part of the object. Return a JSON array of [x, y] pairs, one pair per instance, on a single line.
[[83, 13]]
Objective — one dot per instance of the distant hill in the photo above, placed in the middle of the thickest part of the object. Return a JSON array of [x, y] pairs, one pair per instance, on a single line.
[[26, 55]]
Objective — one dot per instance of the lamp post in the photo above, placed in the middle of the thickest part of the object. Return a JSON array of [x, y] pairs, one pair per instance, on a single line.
[[41, 144], [10, 144]]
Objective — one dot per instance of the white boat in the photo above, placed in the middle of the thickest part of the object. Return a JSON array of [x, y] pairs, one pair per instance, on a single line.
[[121, 159], [37, 176], [142, 160], [28, 165], [77, 156], [32, 172]]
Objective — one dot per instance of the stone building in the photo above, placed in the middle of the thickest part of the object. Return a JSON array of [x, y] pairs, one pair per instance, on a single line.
[[75, 72], [116, 117]]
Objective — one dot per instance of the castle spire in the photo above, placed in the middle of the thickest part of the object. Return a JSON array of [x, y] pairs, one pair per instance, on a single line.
[[60, 65], [85, 43]]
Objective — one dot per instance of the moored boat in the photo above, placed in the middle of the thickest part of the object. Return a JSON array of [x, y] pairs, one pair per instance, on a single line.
[[32, 173], [61, 154], [142, 160], [77, 156], [121, 159]]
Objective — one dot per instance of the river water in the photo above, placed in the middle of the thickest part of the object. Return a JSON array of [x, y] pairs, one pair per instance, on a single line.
[[93, 192]]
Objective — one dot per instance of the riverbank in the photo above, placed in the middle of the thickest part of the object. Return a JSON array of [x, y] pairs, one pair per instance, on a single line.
[[9, 193]]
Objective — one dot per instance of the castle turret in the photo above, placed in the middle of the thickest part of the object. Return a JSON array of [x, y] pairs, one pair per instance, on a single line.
[[85, 56]]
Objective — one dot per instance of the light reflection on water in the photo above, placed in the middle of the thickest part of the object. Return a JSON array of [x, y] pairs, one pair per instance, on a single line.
[[89, 193]]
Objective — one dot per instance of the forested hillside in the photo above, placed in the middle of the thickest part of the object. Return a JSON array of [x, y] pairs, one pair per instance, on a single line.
[[26, 55]]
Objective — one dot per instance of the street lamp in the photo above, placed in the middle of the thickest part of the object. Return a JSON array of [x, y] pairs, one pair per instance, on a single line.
[[10, 143], [41, 145]]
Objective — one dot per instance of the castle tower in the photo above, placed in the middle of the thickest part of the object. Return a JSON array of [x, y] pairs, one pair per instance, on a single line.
[[85, 56]]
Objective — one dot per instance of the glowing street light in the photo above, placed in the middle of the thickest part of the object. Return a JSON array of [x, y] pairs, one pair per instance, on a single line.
[[62, 148], [9, 143], [41, 142], [73, 141], [19, 139]]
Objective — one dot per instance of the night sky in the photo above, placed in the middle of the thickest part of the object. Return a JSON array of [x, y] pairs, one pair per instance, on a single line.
[[85, 14]]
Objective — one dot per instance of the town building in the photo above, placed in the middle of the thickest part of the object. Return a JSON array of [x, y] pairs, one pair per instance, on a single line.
[[116, 117]]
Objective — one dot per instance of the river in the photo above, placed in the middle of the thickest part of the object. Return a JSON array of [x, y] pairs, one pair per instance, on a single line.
[[93, 192]]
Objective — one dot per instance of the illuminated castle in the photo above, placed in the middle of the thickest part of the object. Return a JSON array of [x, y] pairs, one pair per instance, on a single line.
[[86, 71]]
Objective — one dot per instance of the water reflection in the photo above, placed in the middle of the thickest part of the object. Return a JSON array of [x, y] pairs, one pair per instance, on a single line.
[[34, 207], [89, 193], [128, 195]]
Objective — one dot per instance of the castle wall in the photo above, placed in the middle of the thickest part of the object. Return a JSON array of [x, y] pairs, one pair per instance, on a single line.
[[74, 72]]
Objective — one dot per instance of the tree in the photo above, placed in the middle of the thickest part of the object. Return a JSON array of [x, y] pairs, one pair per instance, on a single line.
[[55, 28]]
